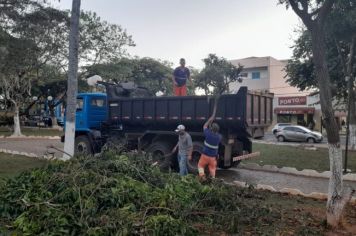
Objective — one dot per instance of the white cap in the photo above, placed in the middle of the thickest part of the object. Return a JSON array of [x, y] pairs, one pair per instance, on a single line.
[[180, 128]]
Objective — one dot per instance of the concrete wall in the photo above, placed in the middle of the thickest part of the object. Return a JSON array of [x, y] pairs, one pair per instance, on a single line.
[[253, 84], [278, 80]]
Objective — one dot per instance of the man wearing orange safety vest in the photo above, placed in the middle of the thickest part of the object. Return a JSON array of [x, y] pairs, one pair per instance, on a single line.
[[211, 147]]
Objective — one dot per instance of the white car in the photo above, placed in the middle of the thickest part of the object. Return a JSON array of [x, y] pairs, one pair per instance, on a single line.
[[278, 127]]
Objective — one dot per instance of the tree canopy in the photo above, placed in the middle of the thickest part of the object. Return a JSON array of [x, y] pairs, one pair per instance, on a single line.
[[41, 51], [146, 72], [339, 35], [217, 74]]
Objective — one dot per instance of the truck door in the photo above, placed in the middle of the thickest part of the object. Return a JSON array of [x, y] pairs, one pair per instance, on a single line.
[[80, 122], [97, 112]]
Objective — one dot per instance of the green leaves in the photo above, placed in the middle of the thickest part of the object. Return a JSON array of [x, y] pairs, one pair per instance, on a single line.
[[146, 72], [217, 74]]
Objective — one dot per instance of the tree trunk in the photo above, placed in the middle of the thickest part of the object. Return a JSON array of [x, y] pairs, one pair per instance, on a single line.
[[335, 203], [54, 122], [352, 129], [17, 127], [72, 86], [352, 101], [352, 137]]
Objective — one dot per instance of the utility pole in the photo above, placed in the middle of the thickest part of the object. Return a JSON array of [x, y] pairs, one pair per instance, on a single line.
[[72, 85]]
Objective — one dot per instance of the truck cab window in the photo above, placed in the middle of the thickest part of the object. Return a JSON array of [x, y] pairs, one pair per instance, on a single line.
[[97, 102], [80, 103]]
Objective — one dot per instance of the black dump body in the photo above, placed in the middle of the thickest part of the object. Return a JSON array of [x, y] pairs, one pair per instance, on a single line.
[[237, 113]]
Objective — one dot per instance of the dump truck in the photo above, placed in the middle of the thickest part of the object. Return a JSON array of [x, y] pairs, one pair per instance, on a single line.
[[127, 114]]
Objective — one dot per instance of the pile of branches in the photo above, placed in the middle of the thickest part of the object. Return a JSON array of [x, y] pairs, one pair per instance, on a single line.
[[121, 194]]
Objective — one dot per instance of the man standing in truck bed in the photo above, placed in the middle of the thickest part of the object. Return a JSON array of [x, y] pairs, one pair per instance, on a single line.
[[211, 147], [180, 76]]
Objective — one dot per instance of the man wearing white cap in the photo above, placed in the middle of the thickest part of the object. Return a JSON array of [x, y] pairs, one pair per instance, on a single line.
[[185, 149]]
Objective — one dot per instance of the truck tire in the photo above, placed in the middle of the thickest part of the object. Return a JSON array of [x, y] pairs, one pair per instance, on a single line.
[[197, 151], [158, 150], [83, 146]]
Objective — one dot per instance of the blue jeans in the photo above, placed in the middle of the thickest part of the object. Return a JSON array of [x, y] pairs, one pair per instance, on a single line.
[[182, 161]]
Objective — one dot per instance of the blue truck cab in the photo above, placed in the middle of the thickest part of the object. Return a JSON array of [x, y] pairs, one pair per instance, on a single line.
[[91, 112]]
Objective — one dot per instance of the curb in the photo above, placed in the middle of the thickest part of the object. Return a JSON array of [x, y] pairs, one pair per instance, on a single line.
[[290, 144], [31, 137], [297, 145], [291, 191], [26, 154], [294, 171]]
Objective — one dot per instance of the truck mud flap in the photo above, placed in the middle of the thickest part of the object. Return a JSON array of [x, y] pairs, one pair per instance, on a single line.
[[246, 156]]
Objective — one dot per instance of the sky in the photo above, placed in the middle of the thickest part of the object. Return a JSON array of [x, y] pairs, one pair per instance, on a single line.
[[170, 30]]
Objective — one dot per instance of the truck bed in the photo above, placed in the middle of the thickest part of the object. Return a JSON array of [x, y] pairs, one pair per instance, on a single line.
[[236, 112]]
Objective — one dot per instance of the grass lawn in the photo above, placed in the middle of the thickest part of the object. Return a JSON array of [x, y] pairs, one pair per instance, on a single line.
[[32, 131], [298, 157], [12, 165]]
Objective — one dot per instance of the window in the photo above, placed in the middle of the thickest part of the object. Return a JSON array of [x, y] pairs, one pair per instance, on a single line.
[[80, 103], [298, 130], [244, 74], [97, 102], [288, 129], [284, 119], [255, 75]]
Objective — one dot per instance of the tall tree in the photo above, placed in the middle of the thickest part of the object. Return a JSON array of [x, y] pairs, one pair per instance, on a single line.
[[341, 58], [217, 75], [72, 81], [145, 72], [313, 14], [28, 33], [15, 82], [45, 31]]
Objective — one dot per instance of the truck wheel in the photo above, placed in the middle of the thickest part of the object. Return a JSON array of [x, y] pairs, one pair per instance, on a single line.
[[83, 146], [197, 151], [158, 151]]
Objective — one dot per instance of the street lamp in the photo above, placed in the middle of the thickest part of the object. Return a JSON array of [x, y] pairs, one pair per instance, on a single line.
[[35, 98]]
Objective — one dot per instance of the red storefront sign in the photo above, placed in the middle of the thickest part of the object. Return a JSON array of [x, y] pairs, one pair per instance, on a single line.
[[294, 110], [287, 101]]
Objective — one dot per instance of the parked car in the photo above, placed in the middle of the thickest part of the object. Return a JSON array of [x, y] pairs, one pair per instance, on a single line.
[[279, 127], [298, 134], [38, 121]]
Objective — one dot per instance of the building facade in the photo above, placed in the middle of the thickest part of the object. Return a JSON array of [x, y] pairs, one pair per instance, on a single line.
[[267, 74]]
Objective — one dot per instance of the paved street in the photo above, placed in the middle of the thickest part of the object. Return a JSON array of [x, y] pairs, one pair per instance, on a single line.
[[36, 146], [279, 180]]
